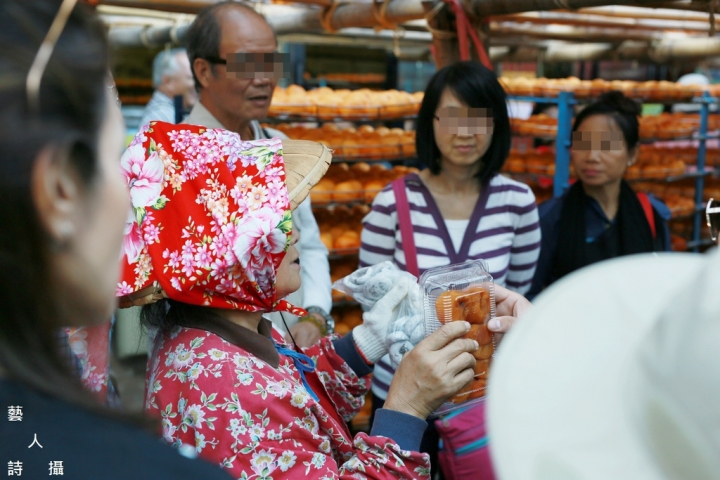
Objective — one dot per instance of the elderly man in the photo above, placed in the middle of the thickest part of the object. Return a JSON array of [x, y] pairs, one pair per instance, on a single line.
[[231, 48], [172, 76]]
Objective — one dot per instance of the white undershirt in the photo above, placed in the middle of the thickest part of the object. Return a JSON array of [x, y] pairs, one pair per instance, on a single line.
[[456, 229]]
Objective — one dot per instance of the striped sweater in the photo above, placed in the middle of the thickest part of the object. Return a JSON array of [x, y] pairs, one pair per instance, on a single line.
[[503, 230]]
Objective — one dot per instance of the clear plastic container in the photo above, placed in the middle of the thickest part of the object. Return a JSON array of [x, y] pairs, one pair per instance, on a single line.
[[459, 292]]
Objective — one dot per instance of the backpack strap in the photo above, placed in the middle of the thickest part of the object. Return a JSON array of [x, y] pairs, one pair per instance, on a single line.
[[648, 209], [406, 231]]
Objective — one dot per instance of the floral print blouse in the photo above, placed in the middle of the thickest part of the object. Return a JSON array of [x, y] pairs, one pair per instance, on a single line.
[[227, 391]]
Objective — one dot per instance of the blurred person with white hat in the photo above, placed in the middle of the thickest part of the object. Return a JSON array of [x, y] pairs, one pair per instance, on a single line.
[[692, 79], [614, 374]]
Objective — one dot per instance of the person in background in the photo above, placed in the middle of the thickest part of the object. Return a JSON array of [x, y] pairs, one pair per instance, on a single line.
[[600, 217], [61, 234], [172, 76], [461, 208], [692, 79], [236, 102]]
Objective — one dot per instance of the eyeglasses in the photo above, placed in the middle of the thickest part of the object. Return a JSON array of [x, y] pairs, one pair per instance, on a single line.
[[216, 60], [712, 216], [254, 65], [37, 69]]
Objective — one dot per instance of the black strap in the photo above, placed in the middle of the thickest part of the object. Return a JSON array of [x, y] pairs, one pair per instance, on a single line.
[[179, 108], [631, 227]]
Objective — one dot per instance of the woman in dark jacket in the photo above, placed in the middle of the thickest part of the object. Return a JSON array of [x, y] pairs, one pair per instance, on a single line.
[[600, 217]]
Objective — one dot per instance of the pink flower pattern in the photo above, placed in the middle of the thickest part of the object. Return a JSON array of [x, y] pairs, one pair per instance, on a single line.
[[144, 175], [259, 422], [91, 347], [193, 190]]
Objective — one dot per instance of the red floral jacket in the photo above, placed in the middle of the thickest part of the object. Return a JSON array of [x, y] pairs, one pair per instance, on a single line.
[[248, 410]]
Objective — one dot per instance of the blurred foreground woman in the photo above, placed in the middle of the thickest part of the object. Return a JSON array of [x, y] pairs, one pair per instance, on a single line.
[[63, 212]]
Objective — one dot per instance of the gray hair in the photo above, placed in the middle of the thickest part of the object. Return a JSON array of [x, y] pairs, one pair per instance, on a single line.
[[166, 63]]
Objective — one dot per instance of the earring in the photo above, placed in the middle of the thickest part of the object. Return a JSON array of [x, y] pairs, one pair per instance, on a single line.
[[65, 233]]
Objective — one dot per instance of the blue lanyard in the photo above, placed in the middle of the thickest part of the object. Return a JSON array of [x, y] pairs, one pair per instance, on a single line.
[[303, 363]]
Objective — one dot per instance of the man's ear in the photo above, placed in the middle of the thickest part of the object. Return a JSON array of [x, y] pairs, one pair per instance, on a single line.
[[56, 192], [203, 71]]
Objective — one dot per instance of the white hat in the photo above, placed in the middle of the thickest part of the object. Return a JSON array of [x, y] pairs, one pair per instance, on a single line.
[[694, 79], [614, 374], [691, 79]]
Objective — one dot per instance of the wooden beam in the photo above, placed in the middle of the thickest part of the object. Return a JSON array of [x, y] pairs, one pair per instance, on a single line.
[[348, 15], [481, 7], [685, 50], [663, 51], [578, 52], [150, 37], [357, 14], [667, 50], [321, 3], [284, 20], [570, 33], [689, 5], [647, 13], [182, 6], [157, 36], [572, 52], [514, 54], [288, 20], [486, 8], [345, 15], [590, 20]]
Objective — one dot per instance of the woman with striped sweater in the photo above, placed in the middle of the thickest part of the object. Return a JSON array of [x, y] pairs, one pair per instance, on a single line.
[[460, 207]]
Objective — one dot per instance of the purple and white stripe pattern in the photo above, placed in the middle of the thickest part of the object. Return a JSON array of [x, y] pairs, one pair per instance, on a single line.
[[504, 230]]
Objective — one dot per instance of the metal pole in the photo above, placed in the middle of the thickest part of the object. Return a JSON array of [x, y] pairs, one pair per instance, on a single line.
[[700, 180], [566, 101]]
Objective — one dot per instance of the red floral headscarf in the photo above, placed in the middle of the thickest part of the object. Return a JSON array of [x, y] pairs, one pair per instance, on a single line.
[[210, 220]]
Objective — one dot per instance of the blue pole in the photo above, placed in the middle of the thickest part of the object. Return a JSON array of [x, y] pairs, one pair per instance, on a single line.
[[562, 143], [700, 180]]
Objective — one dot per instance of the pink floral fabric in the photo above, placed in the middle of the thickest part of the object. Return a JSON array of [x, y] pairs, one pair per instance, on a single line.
[[91, 346], [210, 217], [260, 422]]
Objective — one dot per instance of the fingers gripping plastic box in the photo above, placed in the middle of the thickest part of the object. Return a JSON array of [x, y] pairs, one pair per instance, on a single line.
[[460, 292]]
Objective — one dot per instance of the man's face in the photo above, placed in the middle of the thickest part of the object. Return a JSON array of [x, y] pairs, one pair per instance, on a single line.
[[241, 96]]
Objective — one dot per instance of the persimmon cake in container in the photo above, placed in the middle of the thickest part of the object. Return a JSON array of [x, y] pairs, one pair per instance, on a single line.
[[463, 292]]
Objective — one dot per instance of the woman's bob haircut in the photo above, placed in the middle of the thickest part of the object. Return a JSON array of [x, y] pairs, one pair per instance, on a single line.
[[477, 87]]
